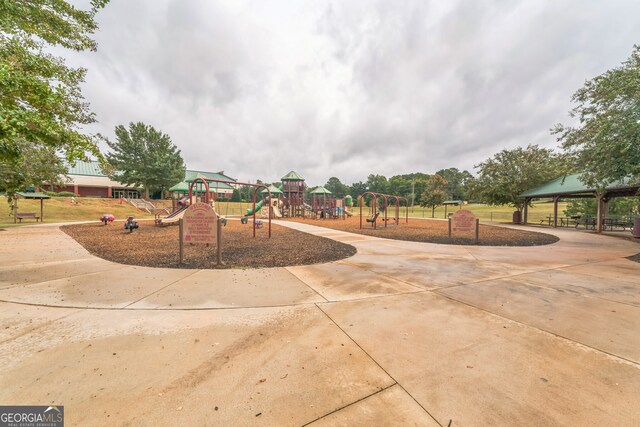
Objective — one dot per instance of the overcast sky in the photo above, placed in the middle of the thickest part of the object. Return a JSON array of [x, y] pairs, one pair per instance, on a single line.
[[347, 88]]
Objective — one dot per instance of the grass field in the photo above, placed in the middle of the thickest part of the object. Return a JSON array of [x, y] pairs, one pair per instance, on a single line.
[[536, 213], [60, 209]]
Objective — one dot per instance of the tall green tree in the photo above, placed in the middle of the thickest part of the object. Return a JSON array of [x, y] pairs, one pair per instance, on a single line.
[[40, 99], [35, 166], [337, 188], [145, 157], [457, 182], [606, 142], [377, 183], [356, 190], [434, 194], [502, 178]]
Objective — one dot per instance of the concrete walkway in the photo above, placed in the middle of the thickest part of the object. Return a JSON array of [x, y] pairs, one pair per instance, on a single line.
[[402, 333]]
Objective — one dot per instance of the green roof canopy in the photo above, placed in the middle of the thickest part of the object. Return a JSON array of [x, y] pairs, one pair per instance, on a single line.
[[321, 190], [572, 185], [26, 195], [292, 176], [190, 176], [273, 189], [91, 168]]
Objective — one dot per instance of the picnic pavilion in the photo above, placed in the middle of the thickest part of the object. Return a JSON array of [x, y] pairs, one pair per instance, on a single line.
[[29, 195], [572, 187]]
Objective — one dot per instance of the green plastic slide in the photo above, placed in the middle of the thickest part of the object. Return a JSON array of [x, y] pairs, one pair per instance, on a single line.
[[259, 204]]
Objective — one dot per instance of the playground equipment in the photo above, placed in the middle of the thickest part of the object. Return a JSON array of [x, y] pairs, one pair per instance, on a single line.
[[130, 224], [173, 217], [348, 204], [324, 205], [293, 204], [384, 209], [107, 218], [256, 205]]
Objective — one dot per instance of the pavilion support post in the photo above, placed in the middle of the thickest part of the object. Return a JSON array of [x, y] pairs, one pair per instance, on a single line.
[[599, 214], [525, 211], [41, 210], [555, 211]]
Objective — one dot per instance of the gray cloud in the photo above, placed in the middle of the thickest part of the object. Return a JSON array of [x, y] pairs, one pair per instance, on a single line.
[[335, 88]]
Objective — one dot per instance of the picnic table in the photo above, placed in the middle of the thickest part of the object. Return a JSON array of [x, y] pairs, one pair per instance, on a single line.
[[562, 221]]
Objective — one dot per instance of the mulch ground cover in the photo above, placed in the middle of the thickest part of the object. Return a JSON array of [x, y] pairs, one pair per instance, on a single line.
[[155, 246], [436, 231]]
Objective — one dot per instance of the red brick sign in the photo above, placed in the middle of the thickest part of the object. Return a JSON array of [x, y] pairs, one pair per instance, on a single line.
[[200, 223], [463, 220]]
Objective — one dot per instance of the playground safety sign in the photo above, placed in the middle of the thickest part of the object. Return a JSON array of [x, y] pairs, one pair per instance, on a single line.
[[200, 224]]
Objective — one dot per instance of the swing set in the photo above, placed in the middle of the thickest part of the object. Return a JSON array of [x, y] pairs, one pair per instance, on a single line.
[[375, 213]]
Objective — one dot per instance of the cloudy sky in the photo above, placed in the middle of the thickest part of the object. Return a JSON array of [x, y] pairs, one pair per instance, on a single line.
[[347, 88]]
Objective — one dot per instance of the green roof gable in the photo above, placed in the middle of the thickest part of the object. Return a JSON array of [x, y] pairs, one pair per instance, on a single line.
[[292, 176], [273, 189], [321, 190], [91, 168], [571, 185]]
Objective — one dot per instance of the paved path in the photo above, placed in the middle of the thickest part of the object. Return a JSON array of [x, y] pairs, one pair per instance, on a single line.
[[402, 333]]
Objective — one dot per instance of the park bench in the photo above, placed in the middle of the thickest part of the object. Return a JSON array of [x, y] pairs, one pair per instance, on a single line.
[[25, 215]]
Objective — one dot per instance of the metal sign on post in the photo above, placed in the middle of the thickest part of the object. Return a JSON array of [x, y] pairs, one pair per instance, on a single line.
[[200, 222]]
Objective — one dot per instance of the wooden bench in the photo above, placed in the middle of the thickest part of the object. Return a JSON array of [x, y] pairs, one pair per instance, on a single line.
[[26, 215]]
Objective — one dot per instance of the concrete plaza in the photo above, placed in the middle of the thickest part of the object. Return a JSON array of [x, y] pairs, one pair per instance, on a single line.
[[402, 333]]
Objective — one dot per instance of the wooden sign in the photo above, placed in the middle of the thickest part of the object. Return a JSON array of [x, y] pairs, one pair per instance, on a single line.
[[463, 221], [200, 224]]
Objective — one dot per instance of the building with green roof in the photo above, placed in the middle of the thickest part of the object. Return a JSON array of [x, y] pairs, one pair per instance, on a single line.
[[88, 180]]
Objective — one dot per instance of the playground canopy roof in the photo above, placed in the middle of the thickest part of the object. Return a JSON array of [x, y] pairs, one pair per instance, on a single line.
[[572, 186], [292, 176], [273, 189], [321, 190]]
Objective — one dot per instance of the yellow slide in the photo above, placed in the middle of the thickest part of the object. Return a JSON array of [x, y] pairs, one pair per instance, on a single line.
[[347, 212], [276, 212]]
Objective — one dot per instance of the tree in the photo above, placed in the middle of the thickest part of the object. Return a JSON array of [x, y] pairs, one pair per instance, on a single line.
[[434, 194], [337, 188], [502, 178], [457, 182], [356, 190], [235, 196], [377, 183], [143, 156], [34, 166], [41, 104], [606, 143]]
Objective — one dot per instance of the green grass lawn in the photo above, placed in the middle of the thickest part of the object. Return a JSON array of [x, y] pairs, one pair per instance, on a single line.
[[60, 209]]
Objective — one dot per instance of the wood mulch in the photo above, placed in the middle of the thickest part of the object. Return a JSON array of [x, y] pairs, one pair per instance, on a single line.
[[155, 246], [436, 231]]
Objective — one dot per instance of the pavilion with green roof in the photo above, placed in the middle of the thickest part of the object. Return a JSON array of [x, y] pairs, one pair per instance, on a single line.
[[572, 187], [220, 189]]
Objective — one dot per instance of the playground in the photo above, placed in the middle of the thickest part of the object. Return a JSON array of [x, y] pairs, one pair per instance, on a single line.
[[319, 316], [158, 246], [401, 333], [435, 231]]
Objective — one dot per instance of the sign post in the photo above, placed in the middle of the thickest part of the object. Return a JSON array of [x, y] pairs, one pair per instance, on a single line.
[[200, 225], [464, 221]]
